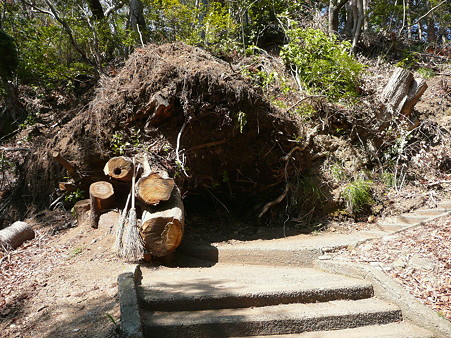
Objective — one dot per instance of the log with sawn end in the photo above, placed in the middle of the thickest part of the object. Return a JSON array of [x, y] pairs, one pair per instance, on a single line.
[[13, 236], [119, 168], [101, 198], [163, 225]]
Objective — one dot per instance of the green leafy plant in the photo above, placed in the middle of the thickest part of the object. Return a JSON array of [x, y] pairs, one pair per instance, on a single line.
[[74, 196], [75, 251], [426, 73], [358, 195], [321, 63]]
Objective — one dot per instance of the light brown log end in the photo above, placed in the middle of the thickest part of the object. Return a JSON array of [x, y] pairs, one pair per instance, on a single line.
[[119, 168], [154, 188], [101, 198]]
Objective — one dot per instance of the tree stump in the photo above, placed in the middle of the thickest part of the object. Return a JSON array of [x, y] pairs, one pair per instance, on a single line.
[[402, 92], [101, 198], [119, 168], [13, 236], [162, 226], [81, 210]]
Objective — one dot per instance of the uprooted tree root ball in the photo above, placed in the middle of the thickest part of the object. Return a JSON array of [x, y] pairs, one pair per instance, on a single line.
[[197, 117]]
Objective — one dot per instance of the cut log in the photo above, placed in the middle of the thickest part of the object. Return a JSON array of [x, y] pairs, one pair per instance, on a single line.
[[154, 188], [81, 210], [101, 198], [162, 226], [119, 168], [402, 92], [13, 236]]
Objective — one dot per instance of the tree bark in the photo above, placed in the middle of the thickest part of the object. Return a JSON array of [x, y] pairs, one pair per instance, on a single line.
[[119, 168], [162, 226], [13, 236], [81, 210], [101, 198]]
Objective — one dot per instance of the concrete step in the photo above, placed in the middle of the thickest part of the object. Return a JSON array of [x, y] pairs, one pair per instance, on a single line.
[[445, 205], [431, 212], [406, 219], [300, 250], [238, 286], [393, 330], [269, 320]]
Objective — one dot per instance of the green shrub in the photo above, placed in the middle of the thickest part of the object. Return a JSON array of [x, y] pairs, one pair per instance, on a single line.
[[358, 195], [322, 64], [426, 73]]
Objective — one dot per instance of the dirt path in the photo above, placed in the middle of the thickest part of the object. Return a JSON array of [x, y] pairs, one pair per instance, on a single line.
[[62, 286]]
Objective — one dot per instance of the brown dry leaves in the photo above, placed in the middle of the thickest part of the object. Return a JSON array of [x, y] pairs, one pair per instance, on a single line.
[[24, 269], [418, 258]]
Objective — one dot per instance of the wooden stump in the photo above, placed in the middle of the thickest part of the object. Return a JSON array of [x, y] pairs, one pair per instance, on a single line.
[[402, 92], [13, 236], [101, 198], [119, 168], [162, 226], [81, 210]]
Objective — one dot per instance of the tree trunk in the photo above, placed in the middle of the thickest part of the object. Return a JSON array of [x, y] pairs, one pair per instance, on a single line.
[[81, 210], [162, 226], [119, 168], [358, 24], [402, 92], [96, 9], [136, 18], [334, 9], [101, 198], [13, 236]]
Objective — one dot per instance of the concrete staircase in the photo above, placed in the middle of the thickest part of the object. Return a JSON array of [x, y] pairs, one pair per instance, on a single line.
[[269, 287], [245, 300], [414, 218]]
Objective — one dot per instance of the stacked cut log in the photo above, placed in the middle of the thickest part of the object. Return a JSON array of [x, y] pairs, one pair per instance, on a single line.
[[162, 221], [402, 92]]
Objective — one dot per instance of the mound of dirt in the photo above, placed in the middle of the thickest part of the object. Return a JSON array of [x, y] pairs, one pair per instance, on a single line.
[[194, 114]]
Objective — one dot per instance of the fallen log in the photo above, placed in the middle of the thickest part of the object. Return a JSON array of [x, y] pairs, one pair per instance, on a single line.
[[67, 186], [13, 236], [101, 198], [402, 92], [81, 211], [154, 186], [162, 226], [119, 168]]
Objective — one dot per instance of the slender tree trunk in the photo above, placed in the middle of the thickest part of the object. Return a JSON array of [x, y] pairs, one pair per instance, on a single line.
[[136, 19], [334, 10], [359, 24], [96, 9]]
